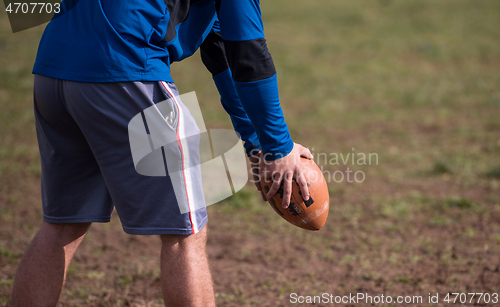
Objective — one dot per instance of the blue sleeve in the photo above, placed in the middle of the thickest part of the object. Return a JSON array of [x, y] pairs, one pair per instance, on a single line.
[[187, 28], [260, 101], [240, 20], [231, 103], [213, 56], [254, 74]]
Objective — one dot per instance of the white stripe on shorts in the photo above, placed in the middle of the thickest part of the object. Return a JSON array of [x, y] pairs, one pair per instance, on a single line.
[[183, 146]]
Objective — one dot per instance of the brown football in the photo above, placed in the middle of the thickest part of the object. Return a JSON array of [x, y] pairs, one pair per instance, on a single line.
[[310, 214]]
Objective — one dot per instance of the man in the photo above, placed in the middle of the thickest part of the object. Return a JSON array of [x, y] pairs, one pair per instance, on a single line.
[[100, 63]]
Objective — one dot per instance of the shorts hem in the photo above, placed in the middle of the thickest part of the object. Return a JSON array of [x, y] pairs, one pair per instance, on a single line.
[[61, 220], [163, 231]]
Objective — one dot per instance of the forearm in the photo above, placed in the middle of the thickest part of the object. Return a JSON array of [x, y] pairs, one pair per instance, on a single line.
[[214, 58], [260, 100], [254, 74]]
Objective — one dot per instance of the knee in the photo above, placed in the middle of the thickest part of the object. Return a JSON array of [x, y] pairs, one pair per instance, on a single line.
[[176, 241], [64, 233], [185, 241]]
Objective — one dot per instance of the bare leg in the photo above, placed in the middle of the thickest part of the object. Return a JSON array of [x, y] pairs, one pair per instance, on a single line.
[[42, 271], [185, 274]]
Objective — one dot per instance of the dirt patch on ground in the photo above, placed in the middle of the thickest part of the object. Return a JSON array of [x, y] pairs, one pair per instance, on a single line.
[[411, 247]]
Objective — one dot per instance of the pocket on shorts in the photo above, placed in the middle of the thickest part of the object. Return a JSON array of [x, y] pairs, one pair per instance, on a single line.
[[168, 109]]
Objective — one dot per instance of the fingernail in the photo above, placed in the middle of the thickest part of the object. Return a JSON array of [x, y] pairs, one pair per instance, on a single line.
[[306, 198]]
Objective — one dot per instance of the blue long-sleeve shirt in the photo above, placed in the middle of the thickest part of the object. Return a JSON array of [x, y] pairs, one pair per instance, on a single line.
[[137, 40]]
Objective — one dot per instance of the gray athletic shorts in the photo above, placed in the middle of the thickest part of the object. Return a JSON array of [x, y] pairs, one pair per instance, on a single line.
[[87, 163]]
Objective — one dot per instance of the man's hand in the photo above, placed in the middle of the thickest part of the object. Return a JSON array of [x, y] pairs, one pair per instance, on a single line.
[[285, 169], [255, 160]]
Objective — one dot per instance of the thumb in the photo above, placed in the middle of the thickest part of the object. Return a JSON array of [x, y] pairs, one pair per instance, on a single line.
[[304, 152]]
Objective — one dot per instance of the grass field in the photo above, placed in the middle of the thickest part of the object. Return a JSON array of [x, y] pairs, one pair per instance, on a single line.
[[416, 82]]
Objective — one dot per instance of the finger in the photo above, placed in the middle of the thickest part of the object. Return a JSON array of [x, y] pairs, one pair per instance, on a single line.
[[255, 179], [265, 176], [306, 153], [287, 189], [255, 170], [277, 177], [259, 187], [254, 161], [303, 185], [263, 196]]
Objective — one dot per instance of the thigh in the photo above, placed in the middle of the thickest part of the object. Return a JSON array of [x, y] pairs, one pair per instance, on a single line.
[[113, 117], [73, 188]]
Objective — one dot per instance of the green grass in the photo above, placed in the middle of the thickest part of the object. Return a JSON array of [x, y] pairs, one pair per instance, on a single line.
[[440, 168], [494, 172]]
